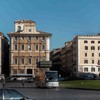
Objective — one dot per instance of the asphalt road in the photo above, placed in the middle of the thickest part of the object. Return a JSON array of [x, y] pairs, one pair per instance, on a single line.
[[60, 94], [30, 90]]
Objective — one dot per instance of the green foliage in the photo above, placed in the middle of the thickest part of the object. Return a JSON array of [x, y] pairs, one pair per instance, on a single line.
[[81, 84]]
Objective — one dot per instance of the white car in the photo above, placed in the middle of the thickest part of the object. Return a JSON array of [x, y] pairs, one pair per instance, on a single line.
[[21, 78]]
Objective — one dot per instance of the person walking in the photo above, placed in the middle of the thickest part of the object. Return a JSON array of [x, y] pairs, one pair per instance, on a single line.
[[22, 83], [3, 83]]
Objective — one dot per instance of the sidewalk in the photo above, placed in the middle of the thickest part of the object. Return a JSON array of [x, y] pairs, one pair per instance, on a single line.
[[16, 84]]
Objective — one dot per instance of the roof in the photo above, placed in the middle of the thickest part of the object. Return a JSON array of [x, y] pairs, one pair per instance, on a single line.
[[24, 21], [3, 36], [40, 33]]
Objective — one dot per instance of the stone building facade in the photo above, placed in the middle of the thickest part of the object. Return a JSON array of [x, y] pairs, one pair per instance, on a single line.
[[81, 55], [86, 54], [28, 47]]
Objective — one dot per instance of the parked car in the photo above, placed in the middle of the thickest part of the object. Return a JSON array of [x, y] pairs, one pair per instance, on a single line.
[[87, 76], [12, 94], [22, 78], [61, 79], [30, 79], [98, 78]]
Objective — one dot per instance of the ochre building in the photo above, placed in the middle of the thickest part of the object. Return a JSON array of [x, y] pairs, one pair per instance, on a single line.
[[28, 47]]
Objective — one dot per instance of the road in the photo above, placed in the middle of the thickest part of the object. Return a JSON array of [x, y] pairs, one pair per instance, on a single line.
[[30, 90], [60, 94]]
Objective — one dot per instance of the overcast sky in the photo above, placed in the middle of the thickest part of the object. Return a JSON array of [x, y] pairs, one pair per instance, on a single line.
[[62, 18]]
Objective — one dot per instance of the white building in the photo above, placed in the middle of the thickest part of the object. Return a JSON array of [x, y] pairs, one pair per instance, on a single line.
[[86, 54]]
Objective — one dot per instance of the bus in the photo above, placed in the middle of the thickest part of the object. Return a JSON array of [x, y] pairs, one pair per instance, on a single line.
[[47, 79]]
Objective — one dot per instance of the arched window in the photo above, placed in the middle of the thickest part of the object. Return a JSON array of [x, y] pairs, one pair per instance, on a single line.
[[19, 28], [43, 58], [85, 41], [92, 41]]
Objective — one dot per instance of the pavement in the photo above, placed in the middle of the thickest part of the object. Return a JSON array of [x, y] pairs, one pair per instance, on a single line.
[[17, 84]]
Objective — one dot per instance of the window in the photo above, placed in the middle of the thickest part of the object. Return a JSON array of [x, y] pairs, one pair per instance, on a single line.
[[98, 69], [75, 69], [36, 60], [85, 41], [43, 47], [85, 69], [29, 46], [29, 61], [99, 54], [86, 47], [98, 41], [22, 38], [29, 38], [15, 61], [19, 29], [36, 47], [98, 62], [43, 58], [29, 71], [43, 38], [14, 71], [75, 55], [92, 41], [15, 38], [30, 30], [92, 54], [99, 48], [15, 47], [85, 54], [86, 61], [92, 69], [21, 71], [22, 61], [92, 61], [36, 37], [92, 48], [22, 47]]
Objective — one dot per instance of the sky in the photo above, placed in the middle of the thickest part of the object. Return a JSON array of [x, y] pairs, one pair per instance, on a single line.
[[64, 19]]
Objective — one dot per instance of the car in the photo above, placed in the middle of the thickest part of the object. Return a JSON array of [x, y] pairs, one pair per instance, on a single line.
[[97, 78], [61, 79], [21, 78], [12, 94], [30, 80]]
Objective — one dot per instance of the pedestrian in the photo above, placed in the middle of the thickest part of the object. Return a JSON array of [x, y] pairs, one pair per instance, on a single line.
[[3, 83], [22, 83]]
